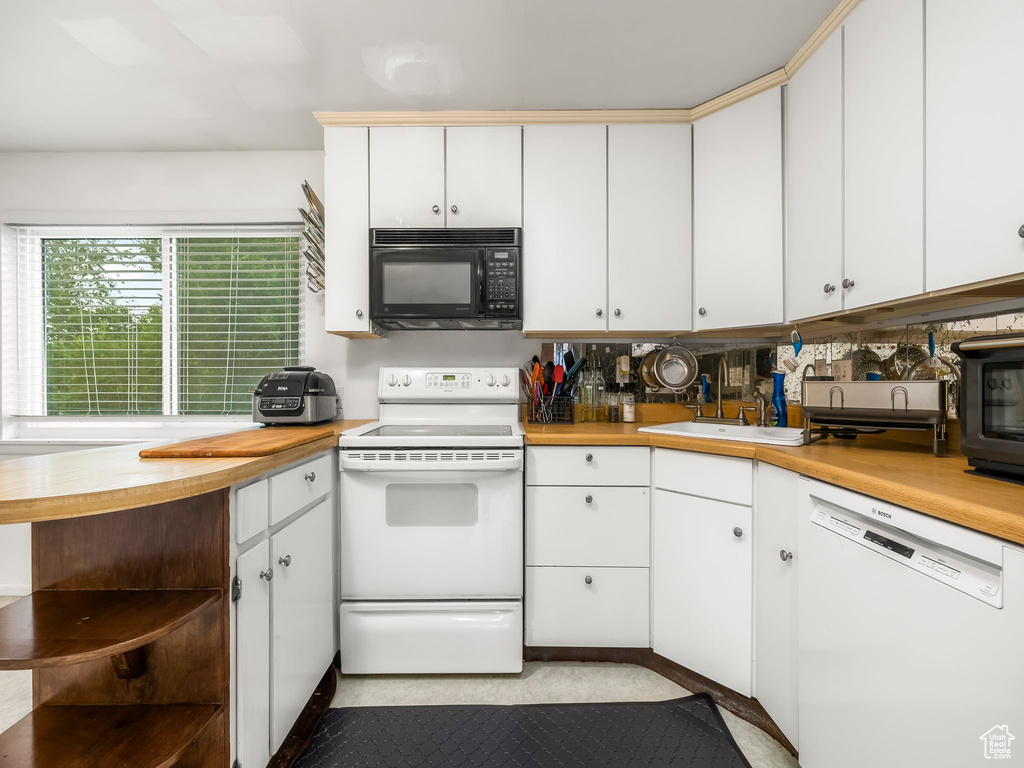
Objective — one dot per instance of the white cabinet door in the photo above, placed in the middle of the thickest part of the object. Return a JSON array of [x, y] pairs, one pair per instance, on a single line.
[[702, 587], [406, 177], [484, 183], [777, 560], [347, 210], [565, 254], [737, 214], [814, 184], [975, 162], [884, 145], [649, 228], [303, 626], [252, 646]]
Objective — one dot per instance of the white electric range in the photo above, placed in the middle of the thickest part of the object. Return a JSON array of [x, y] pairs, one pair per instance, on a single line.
[[432, 526]]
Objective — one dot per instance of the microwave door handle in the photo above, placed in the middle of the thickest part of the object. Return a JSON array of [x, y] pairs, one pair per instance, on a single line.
[[480, 286]]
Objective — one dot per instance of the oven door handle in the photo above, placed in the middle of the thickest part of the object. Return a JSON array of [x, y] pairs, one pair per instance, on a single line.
[[483, 465]]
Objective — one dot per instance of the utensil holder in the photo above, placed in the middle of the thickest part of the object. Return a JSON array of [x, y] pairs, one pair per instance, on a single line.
[[550, 409]]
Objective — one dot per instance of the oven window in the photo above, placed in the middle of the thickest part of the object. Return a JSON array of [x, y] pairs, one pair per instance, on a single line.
[[428, 282], [431, 505], [1003, 413]]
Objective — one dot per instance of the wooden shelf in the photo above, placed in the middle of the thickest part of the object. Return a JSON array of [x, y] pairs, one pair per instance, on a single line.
[[104, 737], [54, 628]]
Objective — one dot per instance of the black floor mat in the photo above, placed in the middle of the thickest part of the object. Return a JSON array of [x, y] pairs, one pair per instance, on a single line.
[[682, 733]]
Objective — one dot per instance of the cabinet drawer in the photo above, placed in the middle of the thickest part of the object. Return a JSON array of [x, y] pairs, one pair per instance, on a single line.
[[611, 529], [588, 465], [725, 478], [252, 510], [612, 611], [298, 487]]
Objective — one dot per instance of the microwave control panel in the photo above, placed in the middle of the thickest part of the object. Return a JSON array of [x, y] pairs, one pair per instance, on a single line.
[[502, 282]]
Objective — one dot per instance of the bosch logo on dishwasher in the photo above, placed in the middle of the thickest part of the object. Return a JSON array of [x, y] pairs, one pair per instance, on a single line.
[[881, 513]]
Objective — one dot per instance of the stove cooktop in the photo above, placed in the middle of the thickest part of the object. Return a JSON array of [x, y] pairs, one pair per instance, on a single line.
[[440, 430]]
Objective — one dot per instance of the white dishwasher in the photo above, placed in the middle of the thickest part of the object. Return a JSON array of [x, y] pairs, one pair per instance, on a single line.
[[911, 638]]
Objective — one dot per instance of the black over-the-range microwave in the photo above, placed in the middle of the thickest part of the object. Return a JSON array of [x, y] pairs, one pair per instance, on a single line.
[[992, 404], [446, 279]]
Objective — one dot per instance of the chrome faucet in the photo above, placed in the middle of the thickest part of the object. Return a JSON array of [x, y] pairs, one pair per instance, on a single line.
[[722, 366], [763, 409], [741, 419]]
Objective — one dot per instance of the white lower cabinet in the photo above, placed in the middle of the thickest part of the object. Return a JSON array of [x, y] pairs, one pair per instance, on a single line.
[[284, 615], [775, 573], [252, 648], [588, 607], [702, 606], [302, 614]]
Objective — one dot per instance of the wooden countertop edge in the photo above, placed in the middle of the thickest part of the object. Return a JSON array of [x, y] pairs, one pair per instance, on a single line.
[[962, 511], [43, 508]]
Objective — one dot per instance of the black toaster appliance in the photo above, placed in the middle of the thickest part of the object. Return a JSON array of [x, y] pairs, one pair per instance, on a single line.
[[299, 394]]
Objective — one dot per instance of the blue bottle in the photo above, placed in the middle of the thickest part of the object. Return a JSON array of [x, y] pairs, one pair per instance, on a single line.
[[780, 413]]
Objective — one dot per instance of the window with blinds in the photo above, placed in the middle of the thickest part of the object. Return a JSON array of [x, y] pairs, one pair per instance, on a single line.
[[180, 321]]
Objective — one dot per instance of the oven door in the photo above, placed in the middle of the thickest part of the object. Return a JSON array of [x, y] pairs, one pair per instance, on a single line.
[[450, 529], [426, 283]]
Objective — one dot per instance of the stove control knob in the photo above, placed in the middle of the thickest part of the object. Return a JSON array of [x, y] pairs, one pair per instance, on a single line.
[[491, 381], [407, 380], [505, 380], [392, 380]]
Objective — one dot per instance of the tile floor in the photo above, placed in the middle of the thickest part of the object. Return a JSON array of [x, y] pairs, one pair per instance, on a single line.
[[547, 683], [539, 683]]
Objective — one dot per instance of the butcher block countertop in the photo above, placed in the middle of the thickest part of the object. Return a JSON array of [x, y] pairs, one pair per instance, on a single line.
[[888, 467], [91, 482]]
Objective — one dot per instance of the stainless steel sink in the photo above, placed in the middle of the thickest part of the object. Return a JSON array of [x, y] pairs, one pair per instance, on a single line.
[[736, 432]]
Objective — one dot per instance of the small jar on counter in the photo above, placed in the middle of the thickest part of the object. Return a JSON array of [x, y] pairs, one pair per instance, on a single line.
[[628, 407]]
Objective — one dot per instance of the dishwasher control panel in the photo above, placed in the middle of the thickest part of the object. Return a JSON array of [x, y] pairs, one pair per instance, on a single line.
[[960, 571]]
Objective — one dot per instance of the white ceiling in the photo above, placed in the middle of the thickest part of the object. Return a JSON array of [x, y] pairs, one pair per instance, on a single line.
[[246, 74]]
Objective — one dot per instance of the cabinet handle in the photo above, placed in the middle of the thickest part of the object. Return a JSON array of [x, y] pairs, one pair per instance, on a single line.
[[600, 312], [455, 209], [590, 457], [829, 288], [618, 313], [702, 311], [267, 575], [737, 532], [589, 499], [589, 580], [784, 555], [436, 209], [847, 283], [285, 561], [359, 313], [311, 476]]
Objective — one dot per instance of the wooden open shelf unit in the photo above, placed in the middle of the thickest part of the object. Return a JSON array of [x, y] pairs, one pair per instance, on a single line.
[[127, 636]]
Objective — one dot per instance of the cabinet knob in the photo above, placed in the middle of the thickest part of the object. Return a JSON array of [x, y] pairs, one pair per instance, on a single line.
[[829, 288], [589, 580], [618, 313], [702, 311], [600, 312], [359, 313], [267, 575], [784, 555], [589, 457], [1021, 230], [737, 532], [589, 499], [436, 209], [455, 209], [847, 283], [311, 476], [285, 561]]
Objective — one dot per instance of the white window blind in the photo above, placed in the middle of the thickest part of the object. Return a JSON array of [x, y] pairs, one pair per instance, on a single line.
[[143, 321]]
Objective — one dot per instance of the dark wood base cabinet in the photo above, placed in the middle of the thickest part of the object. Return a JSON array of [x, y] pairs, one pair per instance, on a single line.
[[127, 634]]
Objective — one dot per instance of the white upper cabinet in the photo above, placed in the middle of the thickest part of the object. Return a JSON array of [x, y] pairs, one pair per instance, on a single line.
[[737, 214], [814, 184], [884, 87], [565, 243], [975, 162], [649, 228], [407, 177], [347, 246], [484, 176]]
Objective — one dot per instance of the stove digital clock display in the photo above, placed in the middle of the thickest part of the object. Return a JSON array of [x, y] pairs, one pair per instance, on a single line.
[[448, 377]]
